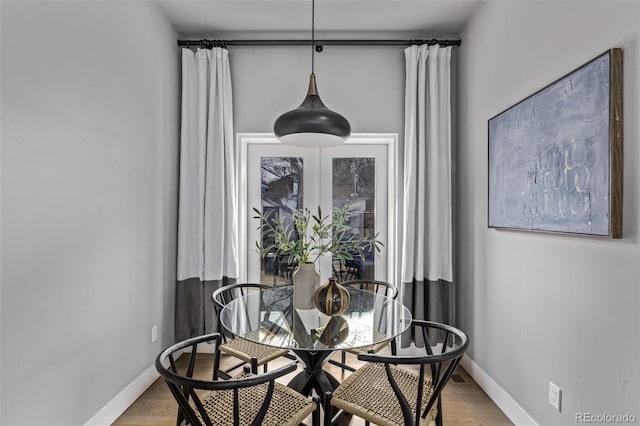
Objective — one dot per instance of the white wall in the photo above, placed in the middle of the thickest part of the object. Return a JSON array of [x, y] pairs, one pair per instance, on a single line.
[[542, 307], [366, 85], [89, 188]]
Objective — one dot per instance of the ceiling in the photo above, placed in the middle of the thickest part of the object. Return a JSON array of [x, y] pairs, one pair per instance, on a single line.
[[424, 18]]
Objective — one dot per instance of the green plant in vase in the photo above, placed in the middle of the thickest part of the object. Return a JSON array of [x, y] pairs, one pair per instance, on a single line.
[[310, 237]]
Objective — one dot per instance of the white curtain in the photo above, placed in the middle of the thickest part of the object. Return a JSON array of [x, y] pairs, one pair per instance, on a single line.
[[207, 215], [427, 232], [207, 225]]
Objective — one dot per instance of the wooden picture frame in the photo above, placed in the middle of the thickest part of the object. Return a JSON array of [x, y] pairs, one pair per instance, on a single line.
[[555, 158]]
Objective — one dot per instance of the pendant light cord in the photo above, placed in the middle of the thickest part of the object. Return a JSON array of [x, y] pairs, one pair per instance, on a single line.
[[313, 33]]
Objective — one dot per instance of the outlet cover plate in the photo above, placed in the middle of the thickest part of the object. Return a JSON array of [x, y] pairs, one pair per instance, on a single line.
[[555, 395]]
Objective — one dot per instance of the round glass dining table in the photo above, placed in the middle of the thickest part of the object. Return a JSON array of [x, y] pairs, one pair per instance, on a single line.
[[267, 317]]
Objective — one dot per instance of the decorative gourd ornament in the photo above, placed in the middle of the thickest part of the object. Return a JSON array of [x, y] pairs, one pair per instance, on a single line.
[[332, 298]]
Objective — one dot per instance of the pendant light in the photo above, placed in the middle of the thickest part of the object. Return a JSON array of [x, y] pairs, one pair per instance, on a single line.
[[312, 124]]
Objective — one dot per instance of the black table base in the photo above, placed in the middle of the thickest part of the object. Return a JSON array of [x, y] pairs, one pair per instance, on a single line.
[[314, 378]]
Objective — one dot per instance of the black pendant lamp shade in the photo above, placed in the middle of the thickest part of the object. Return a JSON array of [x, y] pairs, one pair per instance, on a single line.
[[312, 124]]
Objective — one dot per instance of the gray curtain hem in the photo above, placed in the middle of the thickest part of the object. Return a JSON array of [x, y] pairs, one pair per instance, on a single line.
[[428, 300], [195, 314]]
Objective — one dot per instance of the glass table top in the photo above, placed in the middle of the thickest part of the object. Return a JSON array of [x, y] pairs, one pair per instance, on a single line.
[[267, 317]]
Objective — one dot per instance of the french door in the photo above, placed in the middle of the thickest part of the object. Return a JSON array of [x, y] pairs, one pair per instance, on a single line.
[[277, 179]]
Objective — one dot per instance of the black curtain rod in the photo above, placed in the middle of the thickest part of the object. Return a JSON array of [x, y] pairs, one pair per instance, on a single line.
[[208, 44]]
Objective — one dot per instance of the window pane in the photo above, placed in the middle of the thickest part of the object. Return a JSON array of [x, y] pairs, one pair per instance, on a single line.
[[282, 192], [354, 181]]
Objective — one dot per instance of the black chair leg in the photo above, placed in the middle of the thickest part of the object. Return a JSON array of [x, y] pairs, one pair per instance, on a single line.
[[344, 361], [439, 415], [254, 365], [216, 365], [315, 416], [327, 409]]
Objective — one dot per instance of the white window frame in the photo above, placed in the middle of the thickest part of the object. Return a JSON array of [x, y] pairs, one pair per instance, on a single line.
[[244, 140]]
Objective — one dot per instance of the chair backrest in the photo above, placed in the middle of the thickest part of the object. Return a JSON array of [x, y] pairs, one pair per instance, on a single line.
[[222, 296], [379, 287], [444, 347], [187, 390]]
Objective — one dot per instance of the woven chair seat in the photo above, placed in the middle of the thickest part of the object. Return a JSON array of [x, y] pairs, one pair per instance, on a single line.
[[372, 348], [287, 407], [368, 394], [245, 350]]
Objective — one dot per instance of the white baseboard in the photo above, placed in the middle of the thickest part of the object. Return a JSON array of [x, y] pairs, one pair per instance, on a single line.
[[119, 403], [502, 399], [127, 396]]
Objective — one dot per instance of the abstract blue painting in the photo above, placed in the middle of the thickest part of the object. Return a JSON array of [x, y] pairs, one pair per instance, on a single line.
[[550, 157]]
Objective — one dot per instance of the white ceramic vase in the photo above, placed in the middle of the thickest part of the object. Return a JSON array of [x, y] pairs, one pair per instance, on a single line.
[[306, 281]]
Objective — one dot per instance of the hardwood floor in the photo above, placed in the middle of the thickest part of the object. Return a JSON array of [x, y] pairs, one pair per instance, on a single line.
[[464, 403]]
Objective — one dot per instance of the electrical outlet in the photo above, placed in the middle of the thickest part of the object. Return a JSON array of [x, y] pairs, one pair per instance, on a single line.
[[555, 395], [154, 333]]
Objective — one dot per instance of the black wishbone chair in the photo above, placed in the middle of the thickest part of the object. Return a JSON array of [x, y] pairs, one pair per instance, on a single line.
[[248, 352], [398, 390], [246, 399], [378, 287]]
